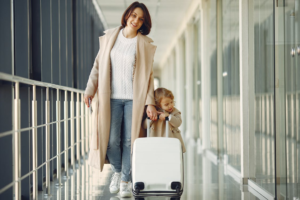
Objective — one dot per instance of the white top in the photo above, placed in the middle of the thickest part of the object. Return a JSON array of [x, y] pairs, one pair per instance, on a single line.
[[122, 56]]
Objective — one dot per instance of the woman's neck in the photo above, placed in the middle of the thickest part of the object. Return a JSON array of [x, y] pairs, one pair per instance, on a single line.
[[129, 33]]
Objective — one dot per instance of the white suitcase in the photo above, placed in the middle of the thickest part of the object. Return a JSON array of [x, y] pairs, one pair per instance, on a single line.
[[157, 166]]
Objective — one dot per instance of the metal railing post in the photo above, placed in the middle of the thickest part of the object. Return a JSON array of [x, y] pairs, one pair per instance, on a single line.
[[82, 172], [77, 129], [72, 187], [34, 144], [78, 178], [16, 138], [58, 167], [72, 130], [82, 126], [66, 132], [67, 190], [47, 117]]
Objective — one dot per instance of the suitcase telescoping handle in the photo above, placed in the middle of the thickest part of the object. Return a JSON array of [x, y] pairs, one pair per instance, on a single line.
[[148, 125]]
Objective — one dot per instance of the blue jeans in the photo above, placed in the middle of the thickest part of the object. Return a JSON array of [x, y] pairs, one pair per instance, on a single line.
[[121, 111]]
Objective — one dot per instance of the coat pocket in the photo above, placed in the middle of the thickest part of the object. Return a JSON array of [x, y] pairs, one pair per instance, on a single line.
[[94, 143], [175, 130]]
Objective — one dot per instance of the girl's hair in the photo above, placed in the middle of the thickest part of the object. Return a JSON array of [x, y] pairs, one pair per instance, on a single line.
[[160, 93], [146, 27]]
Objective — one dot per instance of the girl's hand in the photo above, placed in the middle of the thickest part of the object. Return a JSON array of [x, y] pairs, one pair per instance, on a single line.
[[86, 99], [152, 112], [162, 116]]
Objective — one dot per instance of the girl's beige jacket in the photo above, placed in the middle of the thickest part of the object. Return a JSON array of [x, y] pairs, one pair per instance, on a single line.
[[100, 82], [158, 128]]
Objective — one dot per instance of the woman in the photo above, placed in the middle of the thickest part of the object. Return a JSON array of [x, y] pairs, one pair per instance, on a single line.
[[123, 77]]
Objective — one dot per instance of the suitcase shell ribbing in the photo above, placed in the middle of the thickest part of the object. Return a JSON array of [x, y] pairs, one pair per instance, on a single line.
[[157, 164]]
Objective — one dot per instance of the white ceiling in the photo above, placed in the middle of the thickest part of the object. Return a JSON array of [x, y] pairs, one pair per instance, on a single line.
[[166, 15]]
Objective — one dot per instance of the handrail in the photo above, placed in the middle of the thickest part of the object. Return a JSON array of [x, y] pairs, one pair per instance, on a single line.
[[12, 78]]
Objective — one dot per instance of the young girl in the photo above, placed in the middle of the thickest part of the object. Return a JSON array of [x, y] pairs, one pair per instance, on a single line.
[[164, 100]]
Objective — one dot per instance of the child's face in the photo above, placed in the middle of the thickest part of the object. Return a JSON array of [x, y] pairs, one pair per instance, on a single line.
[[167, 104]]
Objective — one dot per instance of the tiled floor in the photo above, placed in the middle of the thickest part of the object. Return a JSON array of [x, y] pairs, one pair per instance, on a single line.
[[205, 179]]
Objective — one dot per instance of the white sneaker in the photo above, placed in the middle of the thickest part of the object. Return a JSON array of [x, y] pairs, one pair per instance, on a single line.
[[125, 189], [115, 183]]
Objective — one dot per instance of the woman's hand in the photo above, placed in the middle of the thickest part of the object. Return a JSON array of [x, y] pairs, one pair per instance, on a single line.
[[152, 112], [162, 115], [86, 99]]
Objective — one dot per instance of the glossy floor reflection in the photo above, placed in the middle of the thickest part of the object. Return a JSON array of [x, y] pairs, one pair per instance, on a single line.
[[205, 178]]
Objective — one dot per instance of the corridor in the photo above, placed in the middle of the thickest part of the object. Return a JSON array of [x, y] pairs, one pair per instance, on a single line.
[[233, 67]]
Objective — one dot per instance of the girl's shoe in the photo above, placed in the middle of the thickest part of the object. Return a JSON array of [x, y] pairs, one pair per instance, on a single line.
[[115, 183], [125, 189]]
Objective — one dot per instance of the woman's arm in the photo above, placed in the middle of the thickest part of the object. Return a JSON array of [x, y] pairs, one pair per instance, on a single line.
[[150, 93], [92, 83], [151, 110]]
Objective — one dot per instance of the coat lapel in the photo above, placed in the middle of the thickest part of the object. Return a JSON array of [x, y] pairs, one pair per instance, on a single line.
[[144, 62], [107, 42]]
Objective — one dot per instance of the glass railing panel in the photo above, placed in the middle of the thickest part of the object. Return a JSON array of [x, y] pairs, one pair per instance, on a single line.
[[231, 83], [262, 31]]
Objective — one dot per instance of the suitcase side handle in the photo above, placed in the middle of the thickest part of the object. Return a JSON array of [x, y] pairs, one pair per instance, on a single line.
[[148, 126]]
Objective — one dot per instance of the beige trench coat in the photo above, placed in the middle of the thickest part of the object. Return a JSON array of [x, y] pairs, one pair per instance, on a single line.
[[100, 82], [158, 128]]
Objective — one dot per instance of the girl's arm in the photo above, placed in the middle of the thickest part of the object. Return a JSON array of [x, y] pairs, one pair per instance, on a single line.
[[175, 120]]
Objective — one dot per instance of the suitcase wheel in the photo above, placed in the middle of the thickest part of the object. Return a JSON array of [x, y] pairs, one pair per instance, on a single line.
[[175, 198], [139, 198], [176, 186], [138, 186]]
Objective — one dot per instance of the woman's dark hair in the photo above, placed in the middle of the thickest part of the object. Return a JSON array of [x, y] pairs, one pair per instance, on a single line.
[[146, 27]]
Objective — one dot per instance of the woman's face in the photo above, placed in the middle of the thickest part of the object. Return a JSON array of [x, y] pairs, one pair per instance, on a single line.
[[136, 19]]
